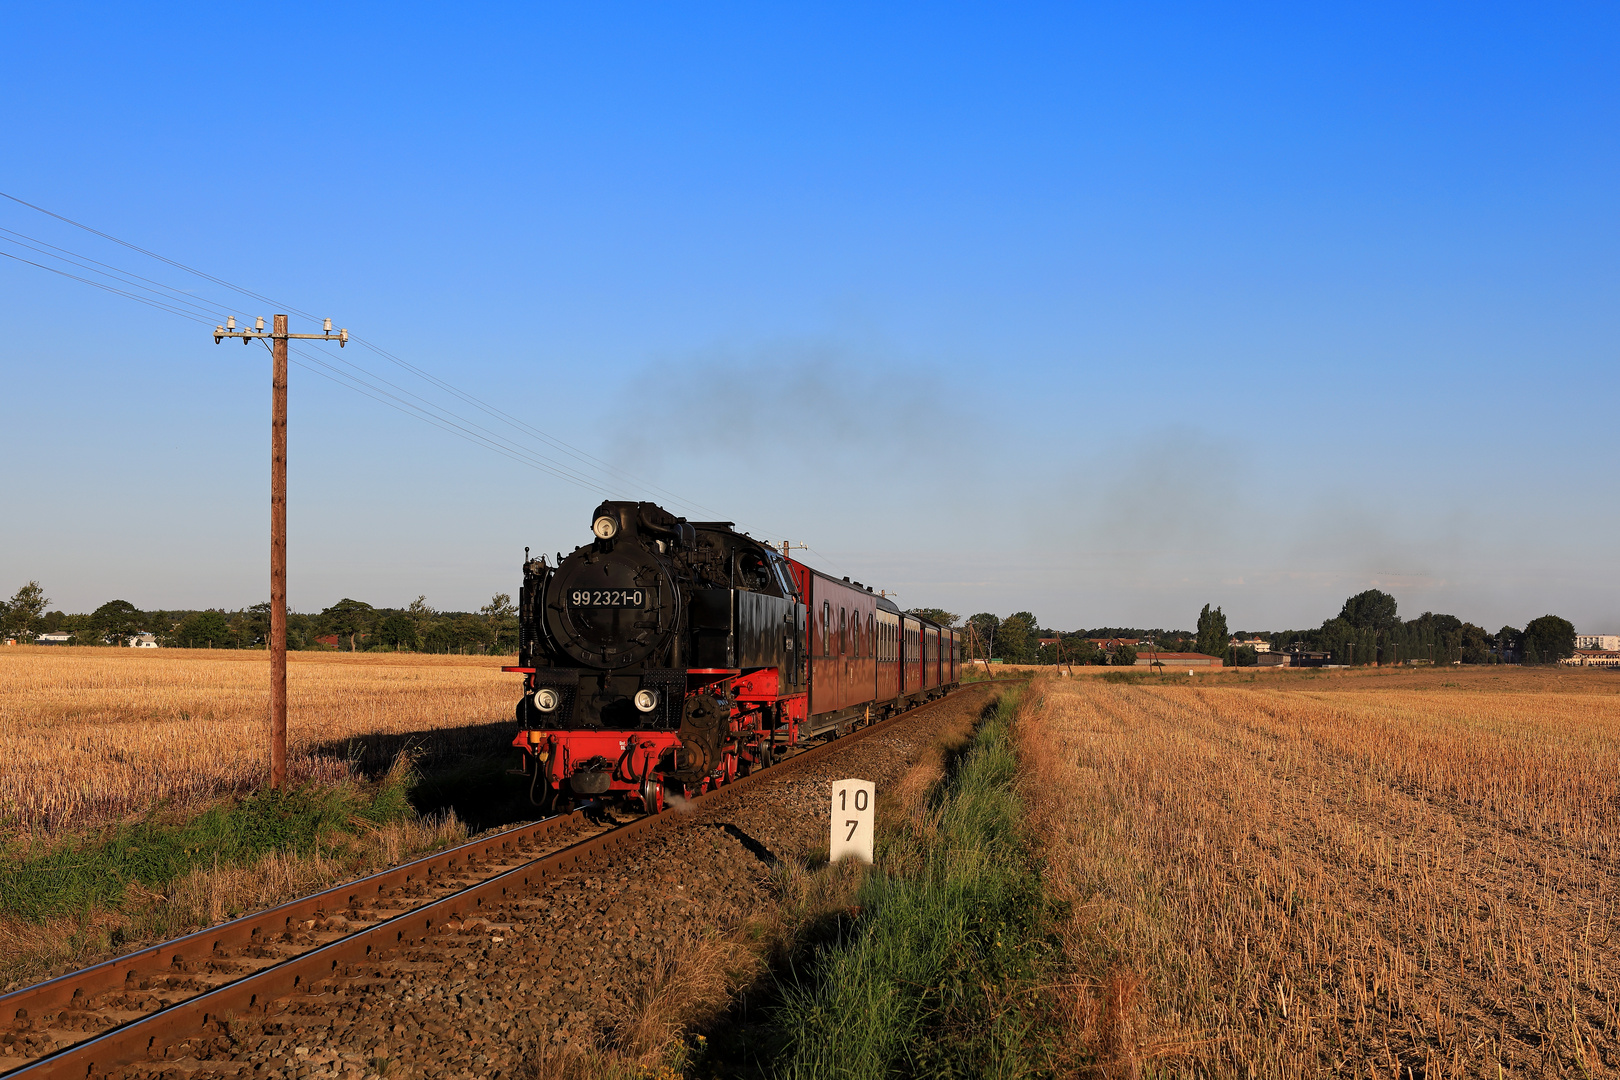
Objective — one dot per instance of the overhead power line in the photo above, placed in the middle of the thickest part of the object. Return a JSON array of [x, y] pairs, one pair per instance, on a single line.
[[160, 258], [531, 430], [451, 423], [448, 423], [582, 470], [102, 285], [157, 288]]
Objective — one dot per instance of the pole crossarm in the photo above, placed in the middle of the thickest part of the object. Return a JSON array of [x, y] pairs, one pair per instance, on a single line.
[[277, 642], [341, 337], [222, 332]]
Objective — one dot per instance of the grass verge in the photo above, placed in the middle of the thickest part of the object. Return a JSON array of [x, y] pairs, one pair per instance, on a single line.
[[936, 962], [148, 855]]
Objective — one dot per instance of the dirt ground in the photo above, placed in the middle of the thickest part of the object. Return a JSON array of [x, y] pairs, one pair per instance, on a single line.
[[1381, 873]]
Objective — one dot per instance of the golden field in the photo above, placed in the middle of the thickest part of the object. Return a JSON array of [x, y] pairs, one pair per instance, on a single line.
[[90, 735], [1373, 873]]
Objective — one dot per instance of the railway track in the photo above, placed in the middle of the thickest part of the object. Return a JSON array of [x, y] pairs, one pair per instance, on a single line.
[[181, 998]]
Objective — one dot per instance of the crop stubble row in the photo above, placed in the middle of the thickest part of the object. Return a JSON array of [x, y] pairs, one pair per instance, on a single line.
[[1360, 874], [93, 734]]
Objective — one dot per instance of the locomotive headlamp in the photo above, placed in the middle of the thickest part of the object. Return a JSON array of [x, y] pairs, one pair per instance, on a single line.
[[605, 527], [546, 699], [646, 700]]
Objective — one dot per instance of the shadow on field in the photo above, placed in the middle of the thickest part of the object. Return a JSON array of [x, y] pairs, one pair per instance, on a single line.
[[460, 768]]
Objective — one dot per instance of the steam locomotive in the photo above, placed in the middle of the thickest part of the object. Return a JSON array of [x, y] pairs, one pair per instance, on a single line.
[[669, 656]]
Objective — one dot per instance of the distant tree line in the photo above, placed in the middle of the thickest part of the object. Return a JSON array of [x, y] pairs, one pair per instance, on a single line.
[[1367, 630], [346, 626], [1017, 639]]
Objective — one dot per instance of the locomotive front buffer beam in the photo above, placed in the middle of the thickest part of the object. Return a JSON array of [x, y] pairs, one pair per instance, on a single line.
[[729, 724]]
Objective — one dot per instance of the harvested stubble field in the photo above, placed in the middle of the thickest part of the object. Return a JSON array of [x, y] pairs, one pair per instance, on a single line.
[[1359, 873], [90, 736]]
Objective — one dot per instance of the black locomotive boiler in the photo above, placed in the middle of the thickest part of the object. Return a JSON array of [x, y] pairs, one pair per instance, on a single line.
[[668, 655]]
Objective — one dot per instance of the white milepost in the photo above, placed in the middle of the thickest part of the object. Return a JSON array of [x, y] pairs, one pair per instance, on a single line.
[[853, 813]]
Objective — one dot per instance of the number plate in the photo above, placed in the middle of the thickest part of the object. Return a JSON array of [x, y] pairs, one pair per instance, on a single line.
[[621, 598], [852, 820]]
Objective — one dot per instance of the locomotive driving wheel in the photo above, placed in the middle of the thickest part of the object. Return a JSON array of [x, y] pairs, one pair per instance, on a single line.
[[652, 796]]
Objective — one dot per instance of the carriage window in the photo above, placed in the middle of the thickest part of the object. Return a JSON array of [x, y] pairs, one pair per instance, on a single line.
[[826, 625], [843, 630]]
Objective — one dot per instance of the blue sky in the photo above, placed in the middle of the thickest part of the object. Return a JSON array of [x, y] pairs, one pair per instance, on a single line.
[[1103, 313]]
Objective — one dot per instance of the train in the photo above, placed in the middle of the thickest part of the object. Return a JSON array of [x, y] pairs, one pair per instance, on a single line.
[[667, 657]]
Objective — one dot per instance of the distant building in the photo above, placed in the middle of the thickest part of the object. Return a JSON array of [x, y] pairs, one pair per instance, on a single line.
[[1608, 658], [1604, 642], [1258, 644], [143, 641], [1178, 660], [58, 637]]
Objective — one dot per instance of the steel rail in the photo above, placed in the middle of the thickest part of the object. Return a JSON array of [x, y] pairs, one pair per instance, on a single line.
[[73, 990], [161, 1030]]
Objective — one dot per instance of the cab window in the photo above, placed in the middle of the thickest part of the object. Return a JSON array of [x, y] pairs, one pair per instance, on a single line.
[[784, 577], [753, 573]]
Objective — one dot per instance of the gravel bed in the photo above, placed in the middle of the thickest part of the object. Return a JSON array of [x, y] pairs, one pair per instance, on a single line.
[[24, 1039]]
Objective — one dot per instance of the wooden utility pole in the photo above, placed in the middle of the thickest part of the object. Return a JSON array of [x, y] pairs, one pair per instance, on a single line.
[[278, 552], [278, 519]]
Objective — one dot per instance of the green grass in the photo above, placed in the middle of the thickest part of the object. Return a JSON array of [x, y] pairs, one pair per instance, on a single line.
[[939, 974], [1130, 678], [78, 875]]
